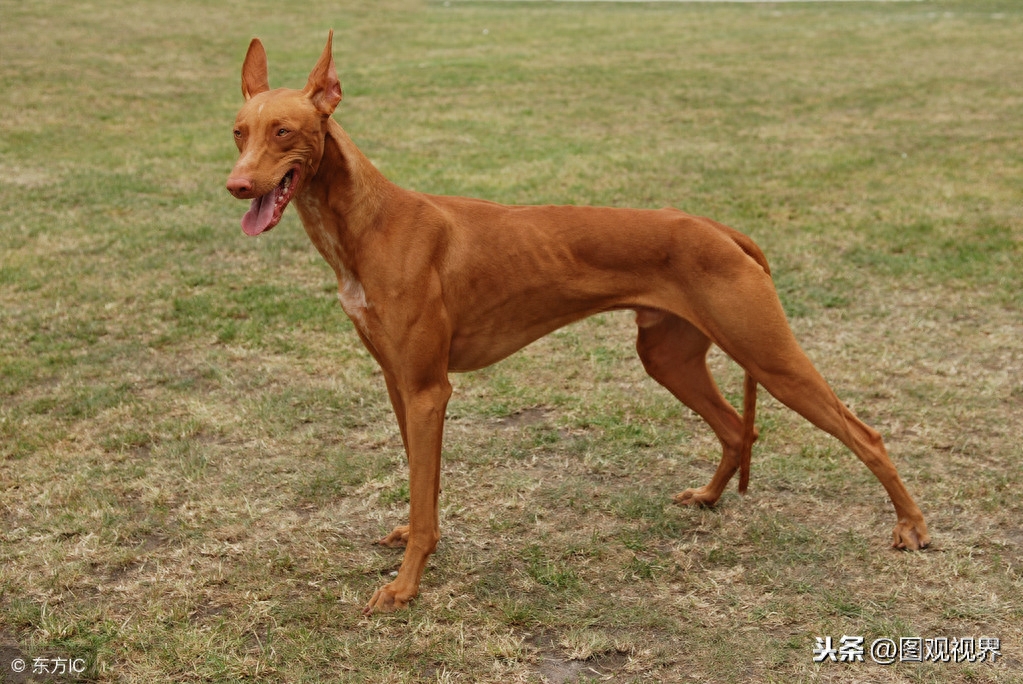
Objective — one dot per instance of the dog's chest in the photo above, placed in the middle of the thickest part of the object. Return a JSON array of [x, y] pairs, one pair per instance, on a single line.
[[349, 290], [352, 298]]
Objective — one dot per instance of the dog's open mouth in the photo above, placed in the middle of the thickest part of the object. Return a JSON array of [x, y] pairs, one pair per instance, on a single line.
[[266, 211]]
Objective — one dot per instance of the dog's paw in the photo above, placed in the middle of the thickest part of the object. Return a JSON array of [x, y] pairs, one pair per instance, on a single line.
[[911, 535], [387, 599], [700, 496], [396, 539]]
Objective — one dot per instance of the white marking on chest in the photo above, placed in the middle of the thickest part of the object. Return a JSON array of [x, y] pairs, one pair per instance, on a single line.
[[349, 289], [352, 298]]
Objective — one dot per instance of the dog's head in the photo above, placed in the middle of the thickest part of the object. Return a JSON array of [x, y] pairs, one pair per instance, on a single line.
[[280, 135]]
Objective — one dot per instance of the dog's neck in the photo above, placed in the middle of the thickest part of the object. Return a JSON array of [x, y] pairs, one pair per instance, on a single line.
[[342, 202]]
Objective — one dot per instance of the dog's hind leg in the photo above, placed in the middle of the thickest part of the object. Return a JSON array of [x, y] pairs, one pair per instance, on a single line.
[[799, 385], [674, 353], [745, 318]]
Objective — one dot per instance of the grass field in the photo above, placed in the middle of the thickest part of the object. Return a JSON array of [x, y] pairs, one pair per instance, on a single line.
[[196, 452]]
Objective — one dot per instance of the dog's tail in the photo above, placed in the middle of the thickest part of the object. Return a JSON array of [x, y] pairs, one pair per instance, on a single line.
[[749, 401], [749, 430]]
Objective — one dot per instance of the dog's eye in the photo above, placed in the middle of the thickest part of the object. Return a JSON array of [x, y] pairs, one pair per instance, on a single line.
[[237, 133], [282, 132]]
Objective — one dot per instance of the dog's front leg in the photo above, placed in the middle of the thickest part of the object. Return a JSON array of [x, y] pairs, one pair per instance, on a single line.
[[399, 535], [423, 427]]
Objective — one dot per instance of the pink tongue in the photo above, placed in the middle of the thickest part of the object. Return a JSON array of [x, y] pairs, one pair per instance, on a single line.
[[260, 214]]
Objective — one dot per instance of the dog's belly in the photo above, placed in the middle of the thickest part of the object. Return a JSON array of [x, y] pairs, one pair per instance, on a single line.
[[486, 343], [472, 351]]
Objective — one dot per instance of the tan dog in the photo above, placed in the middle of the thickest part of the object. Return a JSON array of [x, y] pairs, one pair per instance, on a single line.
[[439, 284]]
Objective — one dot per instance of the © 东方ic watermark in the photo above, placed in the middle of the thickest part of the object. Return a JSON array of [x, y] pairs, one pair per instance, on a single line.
[[49, 666], [885, 651]]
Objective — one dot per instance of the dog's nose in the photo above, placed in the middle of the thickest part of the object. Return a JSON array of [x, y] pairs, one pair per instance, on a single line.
[[239, 187]]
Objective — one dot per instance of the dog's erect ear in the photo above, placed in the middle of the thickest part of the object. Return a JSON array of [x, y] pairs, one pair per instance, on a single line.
[[324, 87], [254, 78]]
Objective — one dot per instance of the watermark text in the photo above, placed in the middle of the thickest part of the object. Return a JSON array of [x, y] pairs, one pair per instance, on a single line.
[[885, 651]]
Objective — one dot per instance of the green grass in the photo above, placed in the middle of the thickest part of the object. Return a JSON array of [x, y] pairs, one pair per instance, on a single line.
[[196, 452]]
